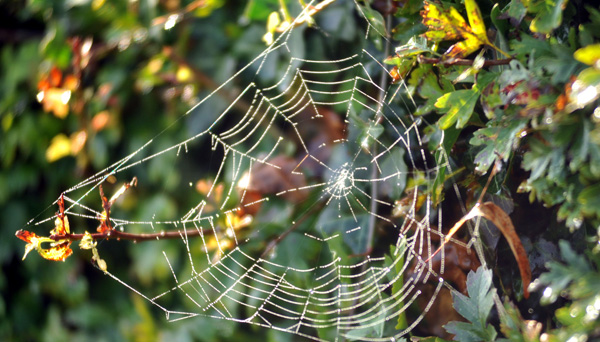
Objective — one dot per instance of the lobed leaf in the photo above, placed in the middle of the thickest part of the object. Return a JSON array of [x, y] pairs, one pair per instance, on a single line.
[[448, 24], [458, 106]]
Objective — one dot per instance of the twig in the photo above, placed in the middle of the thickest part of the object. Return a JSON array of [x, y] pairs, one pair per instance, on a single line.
[[459, 61], [306, 16], [119, 235], [178, 14], [378, 117]]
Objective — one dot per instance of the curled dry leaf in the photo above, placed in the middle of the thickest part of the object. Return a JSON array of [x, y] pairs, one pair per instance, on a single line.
[[492, 212], [58, 251]]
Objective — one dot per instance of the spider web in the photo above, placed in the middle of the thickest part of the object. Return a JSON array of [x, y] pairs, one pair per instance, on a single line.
[[299, 254]]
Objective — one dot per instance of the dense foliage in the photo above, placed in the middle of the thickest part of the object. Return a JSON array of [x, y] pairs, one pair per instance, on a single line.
[[86, 82]]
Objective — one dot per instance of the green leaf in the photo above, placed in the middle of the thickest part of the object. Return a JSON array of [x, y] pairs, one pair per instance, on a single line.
[[498, 141], [415, 45], [458, 106], [549, 15], [371, 331], [260, 9], [466, 332], [375, 19], [475, 308], [394, 167], [589, 198], [542, 159], [516, 10]]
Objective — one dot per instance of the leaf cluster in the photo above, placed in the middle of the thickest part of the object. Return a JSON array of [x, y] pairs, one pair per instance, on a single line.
[[522, 90]]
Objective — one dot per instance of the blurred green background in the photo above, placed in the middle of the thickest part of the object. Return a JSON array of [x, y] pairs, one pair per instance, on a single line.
[[84, 83]]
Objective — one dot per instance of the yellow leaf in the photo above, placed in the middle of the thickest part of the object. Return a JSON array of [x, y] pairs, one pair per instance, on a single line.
[[184, 74], [60, 147], [589, 55], [58, 252], [443, 24], [448, 24], [476, 20], [272, 24]]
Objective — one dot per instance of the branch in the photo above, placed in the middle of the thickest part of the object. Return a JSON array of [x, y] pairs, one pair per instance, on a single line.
[[459, 61], [177, 15], [119, 235]]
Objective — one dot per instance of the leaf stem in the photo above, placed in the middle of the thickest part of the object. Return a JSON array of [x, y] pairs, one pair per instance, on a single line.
[[499, 50]]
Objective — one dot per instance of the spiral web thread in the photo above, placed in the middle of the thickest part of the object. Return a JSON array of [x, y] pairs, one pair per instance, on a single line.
[[333, 297]]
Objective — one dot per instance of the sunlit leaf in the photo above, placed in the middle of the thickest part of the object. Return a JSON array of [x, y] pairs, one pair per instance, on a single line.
[[588, 55], [443, 24], [60, 147], [458, 106], [590, 199], [415, 45], [448, 24], [272, 23], [476, 19], [58, 251]]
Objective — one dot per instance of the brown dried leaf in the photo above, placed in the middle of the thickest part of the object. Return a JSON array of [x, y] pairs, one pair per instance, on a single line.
[[494, 213]]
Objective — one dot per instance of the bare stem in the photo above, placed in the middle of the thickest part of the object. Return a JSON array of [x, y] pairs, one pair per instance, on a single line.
[[306, 16]]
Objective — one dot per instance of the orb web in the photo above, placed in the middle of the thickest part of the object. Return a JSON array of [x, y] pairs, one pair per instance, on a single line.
[[299, 175]]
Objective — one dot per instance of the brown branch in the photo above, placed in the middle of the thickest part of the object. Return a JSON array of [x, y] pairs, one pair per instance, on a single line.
[[459, 61], [194, 5], [119, 235], [312, 10]]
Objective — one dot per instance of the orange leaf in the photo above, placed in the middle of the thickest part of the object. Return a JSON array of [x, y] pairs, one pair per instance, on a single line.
[[58, 251], [26, 235]]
